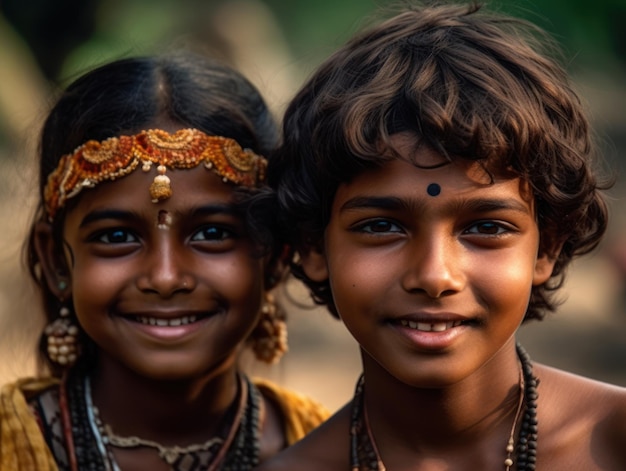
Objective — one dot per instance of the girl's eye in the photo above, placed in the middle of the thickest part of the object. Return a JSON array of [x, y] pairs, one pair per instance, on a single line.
[[379, 226], [117, 236], [486, 228], [212, 233]]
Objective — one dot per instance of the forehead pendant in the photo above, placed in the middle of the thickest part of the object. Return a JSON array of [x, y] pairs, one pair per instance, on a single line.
[[433, 189], [164, 220]]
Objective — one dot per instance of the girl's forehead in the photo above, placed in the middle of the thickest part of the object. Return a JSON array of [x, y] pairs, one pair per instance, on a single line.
[[191, 188]]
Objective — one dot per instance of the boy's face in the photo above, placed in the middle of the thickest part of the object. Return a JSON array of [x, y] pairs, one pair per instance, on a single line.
[[430, 269]]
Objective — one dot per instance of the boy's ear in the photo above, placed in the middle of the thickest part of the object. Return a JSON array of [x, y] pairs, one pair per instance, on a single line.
[[543, 268], [51, 257], [313, 261]]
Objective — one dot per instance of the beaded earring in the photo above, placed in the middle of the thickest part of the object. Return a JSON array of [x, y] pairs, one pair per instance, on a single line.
[[269, 338], [62, 336]]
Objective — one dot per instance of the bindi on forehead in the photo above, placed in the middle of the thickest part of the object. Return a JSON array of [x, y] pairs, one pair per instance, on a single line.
[[164, 220], [433, 189]]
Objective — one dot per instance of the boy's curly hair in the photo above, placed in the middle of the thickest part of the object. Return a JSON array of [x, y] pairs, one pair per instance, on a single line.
[[469, 84]]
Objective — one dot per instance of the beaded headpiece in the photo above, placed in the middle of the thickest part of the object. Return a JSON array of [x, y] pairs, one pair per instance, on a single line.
[[95, 162]]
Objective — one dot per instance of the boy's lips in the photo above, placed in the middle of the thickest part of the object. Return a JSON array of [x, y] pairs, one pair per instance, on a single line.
[[430, 326], [432, 323]]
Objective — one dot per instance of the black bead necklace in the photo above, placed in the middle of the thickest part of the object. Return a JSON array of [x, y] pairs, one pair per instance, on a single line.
[[364, 455]]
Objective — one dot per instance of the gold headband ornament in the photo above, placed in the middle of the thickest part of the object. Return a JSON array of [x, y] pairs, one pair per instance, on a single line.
[[95, 162]]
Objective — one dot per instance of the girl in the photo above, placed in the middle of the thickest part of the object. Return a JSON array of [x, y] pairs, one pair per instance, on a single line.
[[155, 268], [437, 179]]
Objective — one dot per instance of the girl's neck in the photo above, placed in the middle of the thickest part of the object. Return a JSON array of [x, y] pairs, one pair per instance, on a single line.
[[164, 411]]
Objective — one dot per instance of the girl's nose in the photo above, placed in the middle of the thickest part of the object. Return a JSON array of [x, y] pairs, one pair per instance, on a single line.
[[166, 272]]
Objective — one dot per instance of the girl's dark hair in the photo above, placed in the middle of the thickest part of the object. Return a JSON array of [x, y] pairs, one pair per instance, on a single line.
[[470, 85], [126, 96]]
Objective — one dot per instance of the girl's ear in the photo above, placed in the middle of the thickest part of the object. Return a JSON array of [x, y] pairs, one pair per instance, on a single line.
[[51, 257], [275, 268], [313, 261]]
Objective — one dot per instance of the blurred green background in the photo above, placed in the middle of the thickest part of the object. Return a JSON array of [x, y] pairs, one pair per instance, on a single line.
[[44, 44]]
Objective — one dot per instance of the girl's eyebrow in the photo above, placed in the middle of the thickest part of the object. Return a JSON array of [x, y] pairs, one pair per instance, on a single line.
[[102, 214], [392, 203], [210, 209], [127, 216]]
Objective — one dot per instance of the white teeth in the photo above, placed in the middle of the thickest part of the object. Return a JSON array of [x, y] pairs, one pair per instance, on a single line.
[[167, 322], [430, 326]]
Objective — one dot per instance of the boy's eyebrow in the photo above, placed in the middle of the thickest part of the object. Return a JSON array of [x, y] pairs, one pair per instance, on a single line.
[[395, 203], [378, 202], [123, 215]]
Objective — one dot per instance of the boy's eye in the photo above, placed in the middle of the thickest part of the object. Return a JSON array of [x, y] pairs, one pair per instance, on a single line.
[[486, 228], [379, 226], [116, 236], [212, 233]]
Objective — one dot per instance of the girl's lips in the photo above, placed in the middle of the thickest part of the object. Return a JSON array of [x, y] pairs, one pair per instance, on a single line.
[[168, 328], [171, 322]]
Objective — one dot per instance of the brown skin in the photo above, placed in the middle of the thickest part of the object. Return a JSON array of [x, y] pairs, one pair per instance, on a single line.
[[172, 385], [465, 261]]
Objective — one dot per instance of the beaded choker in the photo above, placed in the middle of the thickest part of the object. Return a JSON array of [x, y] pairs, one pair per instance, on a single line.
[[364, 455], [95, 162], [78, 443]]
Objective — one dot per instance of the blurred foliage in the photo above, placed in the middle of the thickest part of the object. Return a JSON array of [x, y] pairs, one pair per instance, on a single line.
[[62, 31], [64, 38]]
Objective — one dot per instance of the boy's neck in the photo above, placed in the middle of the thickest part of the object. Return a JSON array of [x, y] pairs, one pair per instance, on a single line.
[[432, 417]]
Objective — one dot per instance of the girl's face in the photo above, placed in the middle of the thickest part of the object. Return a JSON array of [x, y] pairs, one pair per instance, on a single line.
[[168, 290], [430, 269]]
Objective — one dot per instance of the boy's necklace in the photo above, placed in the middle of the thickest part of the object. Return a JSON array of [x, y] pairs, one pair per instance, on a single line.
[[364, 455]]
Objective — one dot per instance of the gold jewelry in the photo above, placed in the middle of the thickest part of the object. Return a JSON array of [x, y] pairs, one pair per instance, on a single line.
[[269, 338], [237, 446], [62, 339], [510, 446], [95, 162], [170, 454]]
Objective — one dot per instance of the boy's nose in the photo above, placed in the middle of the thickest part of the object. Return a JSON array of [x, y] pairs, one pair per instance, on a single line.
[[433, 267], [166, 272]]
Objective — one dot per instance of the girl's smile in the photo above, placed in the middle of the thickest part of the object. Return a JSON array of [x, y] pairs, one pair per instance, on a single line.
[[425, 280], [170, 289]]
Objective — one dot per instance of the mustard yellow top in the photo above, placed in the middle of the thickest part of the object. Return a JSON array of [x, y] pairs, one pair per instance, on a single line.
[[23, 447]]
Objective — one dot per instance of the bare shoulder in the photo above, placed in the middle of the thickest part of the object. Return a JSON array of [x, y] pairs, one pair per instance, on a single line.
[[583, 418], [326, 447]]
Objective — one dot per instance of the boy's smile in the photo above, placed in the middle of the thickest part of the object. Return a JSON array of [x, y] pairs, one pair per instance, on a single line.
[[430, 287], [170, 289]]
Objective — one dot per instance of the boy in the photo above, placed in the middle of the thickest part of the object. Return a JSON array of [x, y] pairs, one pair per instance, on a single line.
[[436, 180]]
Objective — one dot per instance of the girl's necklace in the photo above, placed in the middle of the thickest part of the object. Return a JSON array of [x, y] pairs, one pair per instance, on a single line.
[[89, 443], [192, 457], [364, 455]]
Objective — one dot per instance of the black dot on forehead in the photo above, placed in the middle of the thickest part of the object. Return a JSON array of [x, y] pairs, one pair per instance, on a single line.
[[433, 189]]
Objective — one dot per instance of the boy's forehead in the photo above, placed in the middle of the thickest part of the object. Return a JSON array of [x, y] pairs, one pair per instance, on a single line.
[[411, 148]]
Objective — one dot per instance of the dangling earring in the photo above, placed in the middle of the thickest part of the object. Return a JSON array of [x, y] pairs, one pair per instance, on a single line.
[[62, 337], [269, 338]]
